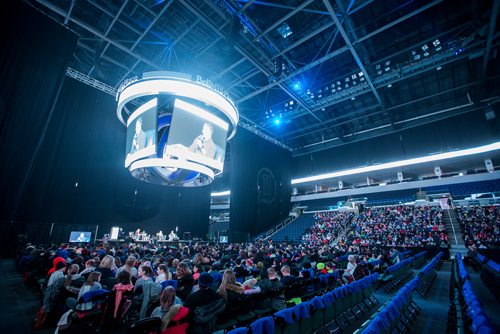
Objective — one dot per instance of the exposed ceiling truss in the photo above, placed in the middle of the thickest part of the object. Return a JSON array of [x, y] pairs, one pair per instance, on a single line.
[[306, 75]]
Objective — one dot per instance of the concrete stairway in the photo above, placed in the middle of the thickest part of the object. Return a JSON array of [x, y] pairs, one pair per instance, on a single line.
[[452, 226]]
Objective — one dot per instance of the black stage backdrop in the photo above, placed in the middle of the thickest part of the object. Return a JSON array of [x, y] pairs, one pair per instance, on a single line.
[[34, 54], [260, 185], [63, 148], [79, 181]]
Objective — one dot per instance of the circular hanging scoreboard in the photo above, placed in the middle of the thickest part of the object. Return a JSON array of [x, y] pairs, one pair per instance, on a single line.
[[177, 128]]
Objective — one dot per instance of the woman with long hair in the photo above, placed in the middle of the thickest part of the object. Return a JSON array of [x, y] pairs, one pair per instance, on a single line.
[[123, 286], [169, 312], [185, 281], [106, 267], [229, 289], [145, 273]]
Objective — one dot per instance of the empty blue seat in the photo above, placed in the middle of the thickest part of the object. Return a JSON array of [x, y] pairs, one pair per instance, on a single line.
[[263, 325]]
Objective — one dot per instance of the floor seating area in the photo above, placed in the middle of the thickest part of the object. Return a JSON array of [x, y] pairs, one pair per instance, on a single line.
[[323, 312], [399, 313]]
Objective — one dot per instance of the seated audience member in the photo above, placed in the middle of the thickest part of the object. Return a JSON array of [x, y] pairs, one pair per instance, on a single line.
[[54, 263], [123, 286], [60, 269], [287, 277], [106, 267], [185, 281], [145, 273], [91, 284], [277, 289], [169, 312], [230, 290], [129, 267], [347, 276], [89, 267], [201, 298], [163, 274], [197, 270]]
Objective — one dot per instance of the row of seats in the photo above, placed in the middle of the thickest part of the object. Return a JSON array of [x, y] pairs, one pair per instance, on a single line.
[[319, 312], [396, 314], [466, 313], [489, 273], [418, 260], [427, 275], [395, 274]]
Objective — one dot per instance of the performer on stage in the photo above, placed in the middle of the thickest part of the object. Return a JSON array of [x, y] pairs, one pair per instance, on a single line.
[[172, 236]]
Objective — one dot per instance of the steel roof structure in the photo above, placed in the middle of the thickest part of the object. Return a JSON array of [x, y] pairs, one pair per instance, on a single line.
[[306, 75]]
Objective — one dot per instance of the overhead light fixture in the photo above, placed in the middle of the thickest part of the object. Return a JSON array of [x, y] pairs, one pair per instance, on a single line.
[[353, 98], [379, 72], [425, 47], [426, 54], [221, 193], [437, 45], [438, 68], [389, 85], [401, 163], [284, 30]]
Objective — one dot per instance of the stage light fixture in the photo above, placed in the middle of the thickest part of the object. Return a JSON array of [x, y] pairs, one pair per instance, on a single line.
[[425, 47], [284, 30]]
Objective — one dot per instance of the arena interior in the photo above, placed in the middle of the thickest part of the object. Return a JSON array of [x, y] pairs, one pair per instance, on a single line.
[[244, 166]]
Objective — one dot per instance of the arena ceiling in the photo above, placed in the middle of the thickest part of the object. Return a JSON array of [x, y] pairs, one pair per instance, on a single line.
[[306, 75]]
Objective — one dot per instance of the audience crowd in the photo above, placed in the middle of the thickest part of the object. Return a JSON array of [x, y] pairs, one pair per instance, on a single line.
[[195, 287], [480, 225], [402, 226], [327, 227]]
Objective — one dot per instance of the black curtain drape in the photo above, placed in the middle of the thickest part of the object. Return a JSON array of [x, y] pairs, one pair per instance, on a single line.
[[260, 185], [35, 53], [62, 148], [80, 176]]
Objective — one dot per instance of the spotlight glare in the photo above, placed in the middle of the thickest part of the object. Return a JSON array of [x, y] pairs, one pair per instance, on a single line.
[[277, 121]]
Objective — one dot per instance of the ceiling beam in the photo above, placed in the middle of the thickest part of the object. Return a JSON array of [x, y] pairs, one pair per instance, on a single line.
[[284, 18], [398, 21], [99, 34], [339, 51], [357, 58], [107, 32], [277, 5], [491, 31]]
